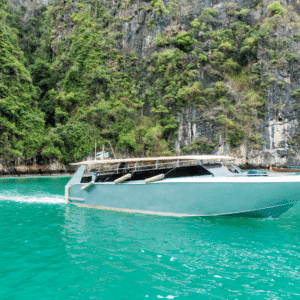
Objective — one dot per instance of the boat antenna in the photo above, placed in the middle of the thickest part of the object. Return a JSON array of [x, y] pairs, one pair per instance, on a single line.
[[112, 149]]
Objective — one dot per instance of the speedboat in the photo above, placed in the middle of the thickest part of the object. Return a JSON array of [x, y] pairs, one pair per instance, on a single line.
[[182, 186]]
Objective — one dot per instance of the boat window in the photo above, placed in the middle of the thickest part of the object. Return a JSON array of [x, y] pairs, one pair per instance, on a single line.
[[133, 167], [237, 168], [218, 170], [232, 168], [86, 179]]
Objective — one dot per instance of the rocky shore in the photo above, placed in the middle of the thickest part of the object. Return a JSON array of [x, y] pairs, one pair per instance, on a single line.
[[53, 168]]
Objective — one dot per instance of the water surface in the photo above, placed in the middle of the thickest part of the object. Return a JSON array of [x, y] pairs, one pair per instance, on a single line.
[[52, 251]]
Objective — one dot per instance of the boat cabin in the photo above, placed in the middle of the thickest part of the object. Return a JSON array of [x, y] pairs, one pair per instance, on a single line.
[[105, 171]]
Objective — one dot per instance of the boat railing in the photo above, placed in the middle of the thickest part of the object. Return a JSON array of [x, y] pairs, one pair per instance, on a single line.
[[135, 167]]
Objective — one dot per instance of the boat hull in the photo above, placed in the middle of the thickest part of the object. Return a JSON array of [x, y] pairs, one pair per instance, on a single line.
[[245, 197]]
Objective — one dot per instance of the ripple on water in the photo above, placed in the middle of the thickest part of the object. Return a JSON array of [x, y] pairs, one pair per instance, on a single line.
[[53, 251]]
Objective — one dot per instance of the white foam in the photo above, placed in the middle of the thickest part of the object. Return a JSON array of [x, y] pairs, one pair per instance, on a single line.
[[29, 199]]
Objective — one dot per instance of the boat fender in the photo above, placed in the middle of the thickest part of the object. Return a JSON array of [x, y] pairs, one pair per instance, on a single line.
[[122, 178], [94, 176], [155, 178], [67, 193], [87, 186]]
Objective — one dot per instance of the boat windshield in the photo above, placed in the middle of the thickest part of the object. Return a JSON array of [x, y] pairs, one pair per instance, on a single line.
[[237, 168], [233, 168]]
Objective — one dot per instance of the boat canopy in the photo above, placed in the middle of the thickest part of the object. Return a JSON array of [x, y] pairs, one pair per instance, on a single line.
[[150, 159]]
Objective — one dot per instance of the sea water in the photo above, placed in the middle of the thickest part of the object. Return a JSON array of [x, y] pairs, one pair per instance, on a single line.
[[52, 251]]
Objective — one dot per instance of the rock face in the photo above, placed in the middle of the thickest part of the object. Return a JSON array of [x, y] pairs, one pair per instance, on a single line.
[[28, 6], [276, 135], [271, 138]]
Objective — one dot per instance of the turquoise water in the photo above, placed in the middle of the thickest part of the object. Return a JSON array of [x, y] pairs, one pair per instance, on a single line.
[[50, 251]]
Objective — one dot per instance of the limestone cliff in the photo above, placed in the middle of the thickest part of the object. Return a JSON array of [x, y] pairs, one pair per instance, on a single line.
[[249, 83]]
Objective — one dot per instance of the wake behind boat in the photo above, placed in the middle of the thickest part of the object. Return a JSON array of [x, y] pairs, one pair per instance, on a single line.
[[201, 185]]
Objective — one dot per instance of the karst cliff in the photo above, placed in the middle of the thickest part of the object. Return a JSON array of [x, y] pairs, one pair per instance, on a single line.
[[149, 78]]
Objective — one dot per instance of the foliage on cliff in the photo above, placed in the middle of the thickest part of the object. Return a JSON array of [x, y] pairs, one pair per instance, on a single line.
[[76, 83], [21, 122]]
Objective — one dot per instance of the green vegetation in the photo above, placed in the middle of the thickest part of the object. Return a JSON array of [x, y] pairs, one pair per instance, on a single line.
[[202, 144], [276, 8], [159, 7], [281, 84], [183, 41], [151, 23], [296, 93], [162, 41], [59, 95], [22, 126], [291, 56]]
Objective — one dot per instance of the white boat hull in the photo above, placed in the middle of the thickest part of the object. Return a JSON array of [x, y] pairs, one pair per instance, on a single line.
[[193, 196]]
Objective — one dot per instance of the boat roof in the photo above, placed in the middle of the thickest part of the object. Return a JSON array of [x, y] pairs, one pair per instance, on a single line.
[[149, 159]]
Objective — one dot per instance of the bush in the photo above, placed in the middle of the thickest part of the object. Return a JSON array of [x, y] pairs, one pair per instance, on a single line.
[[127, 140], [242, 13], [196, 23], [225, 46], [255, 138], [276, 8], [151, 23], [231, 66], [231, 12], [295, 93], [203, 144], [281, 84], [296, 37], [271, 80], [186, 150], [273, 54], [217, 57], [162, 41], [183, 41], [190, 94], [202, 57], [291, 56], [235, 136], [159, 7], [208, 14]]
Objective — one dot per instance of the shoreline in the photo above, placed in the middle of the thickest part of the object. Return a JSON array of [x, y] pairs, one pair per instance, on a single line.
[[23, 170], [36, 175]]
